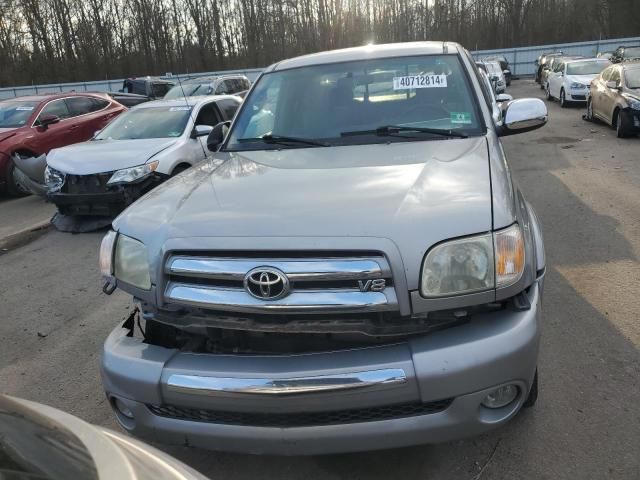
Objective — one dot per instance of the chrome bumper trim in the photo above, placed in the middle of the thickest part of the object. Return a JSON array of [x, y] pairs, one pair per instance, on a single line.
[[296, 269], [213, 386], [303, 301]]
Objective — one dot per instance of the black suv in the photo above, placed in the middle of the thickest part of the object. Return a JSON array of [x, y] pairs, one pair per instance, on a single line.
[[624, 54]]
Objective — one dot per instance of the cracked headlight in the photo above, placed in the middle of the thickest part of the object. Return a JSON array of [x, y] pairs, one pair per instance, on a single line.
[[130, 262], [53, 179], [127, 175], [474, 264]]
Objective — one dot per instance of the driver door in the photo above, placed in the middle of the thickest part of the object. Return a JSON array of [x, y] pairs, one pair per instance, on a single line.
[[57, 135], [208, 115]]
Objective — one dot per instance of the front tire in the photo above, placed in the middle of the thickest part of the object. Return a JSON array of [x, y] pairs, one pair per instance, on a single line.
[[563, 99], [622, 124], [548, 92], [13, 187]]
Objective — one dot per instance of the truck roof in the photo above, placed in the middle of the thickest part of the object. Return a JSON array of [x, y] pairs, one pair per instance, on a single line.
[[367, 52]]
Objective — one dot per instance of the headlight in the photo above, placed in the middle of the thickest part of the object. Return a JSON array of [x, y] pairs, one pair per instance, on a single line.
[[578, 86], [106, 254], [127, 175], [131, 263], [459, 266], [474, 264], [53, 179]]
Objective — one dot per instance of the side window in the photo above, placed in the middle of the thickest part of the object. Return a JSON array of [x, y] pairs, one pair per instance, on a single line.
[[558, 67], [79, 105], [615, 76], [208, 115], [222, 88], [99, 104], [229, 108], [57, 108]]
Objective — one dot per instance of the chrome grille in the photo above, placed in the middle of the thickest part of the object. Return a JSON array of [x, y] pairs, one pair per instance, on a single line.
[[331, 282]]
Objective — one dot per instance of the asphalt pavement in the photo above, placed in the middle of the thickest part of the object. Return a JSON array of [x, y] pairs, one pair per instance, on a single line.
[[585, 186]]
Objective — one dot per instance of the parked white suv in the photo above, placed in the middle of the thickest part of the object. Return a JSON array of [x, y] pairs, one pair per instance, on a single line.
[[569, 81]]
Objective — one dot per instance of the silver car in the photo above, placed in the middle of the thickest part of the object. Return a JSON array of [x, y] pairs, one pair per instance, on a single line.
[[354, 269]]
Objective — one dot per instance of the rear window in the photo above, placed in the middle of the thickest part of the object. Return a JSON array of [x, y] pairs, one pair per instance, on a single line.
[[633, 52], [332, 102]]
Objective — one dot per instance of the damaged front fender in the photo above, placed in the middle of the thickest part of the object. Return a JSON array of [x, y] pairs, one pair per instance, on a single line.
[[29, 173]]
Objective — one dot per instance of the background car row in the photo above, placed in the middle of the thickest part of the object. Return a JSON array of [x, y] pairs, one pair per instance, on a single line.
[[32, 126], [608, 85]]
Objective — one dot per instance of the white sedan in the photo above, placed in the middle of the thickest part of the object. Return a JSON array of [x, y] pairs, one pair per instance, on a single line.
[[569, 81], [141, 148]]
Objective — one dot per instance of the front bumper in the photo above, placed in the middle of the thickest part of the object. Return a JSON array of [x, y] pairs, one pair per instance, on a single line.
[[577, 95], [450, 370], [97, 198]]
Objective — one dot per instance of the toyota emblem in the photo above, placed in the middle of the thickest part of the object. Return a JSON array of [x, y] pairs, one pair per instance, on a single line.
[[266, 283]]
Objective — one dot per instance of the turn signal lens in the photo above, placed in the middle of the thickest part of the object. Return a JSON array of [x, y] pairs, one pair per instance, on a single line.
[[106, 254], [509, 252]]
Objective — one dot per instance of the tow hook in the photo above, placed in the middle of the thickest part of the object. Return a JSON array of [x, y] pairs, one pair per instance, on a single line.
[[109, 287]]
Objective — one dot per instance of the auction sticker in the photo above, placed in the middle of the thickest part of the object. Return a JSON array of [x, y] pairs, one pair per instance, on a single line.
[[419, 81], [24, 109], [462, 118], [179, 109]]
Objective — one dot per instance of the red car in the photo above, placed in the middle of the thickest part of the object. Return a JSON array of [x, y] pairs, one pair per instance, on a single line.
[[31, 126]]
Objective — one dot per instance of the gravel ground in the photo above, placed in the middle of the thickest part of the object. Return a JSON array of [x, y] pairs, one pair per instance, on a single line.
[[585, 186]]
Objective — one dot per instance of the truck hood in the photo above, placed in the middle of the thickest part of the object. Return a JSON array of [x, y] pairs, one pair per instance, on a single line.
[[105, 155], [415, 194]]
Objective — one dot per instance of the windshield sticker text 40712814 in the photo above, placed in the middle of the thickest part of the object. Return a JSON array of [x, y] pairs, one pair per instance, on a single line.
[[419, 81]]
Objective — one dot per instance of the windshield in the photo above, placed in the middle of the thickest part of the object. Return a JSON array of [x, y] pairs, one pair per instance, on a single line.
[[586, 68], [148, 122], [632, 78], [15, 114], [350, 103], [189, 90], [632, 52]]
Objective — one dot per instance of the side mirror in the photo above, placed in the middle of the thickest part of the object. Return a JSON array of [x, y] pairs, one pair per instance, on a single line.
[[524, 115], [507, 72], [613, 85], [47, 120], [504, 97], [216, 137], [201, 131]]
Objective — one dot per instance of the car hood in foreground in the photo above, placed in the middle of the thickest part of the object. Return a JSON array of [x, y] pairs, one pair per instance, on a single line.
[[105, 155], [6, 133], [41, 442], [415, 194]]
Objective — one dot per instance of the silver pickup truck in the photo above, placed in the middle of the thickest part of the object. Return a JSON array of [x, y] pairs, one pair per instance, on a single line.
[[354, 269]]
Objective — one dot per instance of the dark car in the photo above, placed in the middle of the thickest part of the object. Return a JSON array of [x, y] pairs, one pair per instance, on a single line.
[[38, 442], [625, 54], [614, 98], [153, 87], [215, 85], [542, 62], [504, 65], [32, 126]]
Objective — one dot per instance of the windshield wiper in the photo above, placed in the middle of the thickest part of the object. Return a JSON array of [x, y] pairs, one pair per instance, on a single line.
[[389, 130], [284, 140]]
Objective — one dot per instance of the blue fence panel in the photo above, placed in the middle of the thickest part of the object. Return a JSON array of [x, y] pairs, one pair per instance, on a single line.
[[522, 60]]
